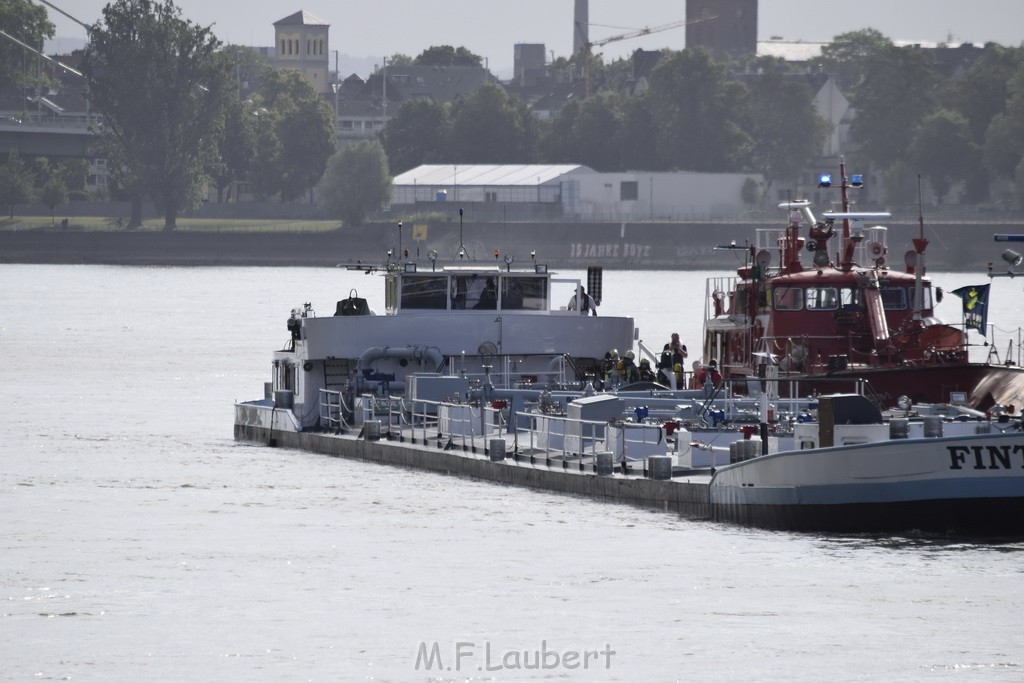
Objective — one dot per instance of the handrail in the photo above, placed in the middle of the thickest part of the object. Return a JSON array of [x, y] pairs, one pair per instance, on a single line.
[[333, 411]]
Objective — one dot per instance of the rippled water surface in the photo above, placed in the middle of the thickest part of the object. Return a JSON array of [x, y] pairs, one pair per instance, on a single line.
[[139, 542]]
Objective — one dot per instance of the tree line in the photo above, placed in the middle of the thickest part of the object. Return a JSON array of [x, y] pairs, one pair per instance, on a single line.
[[959, 129], [176, 120]]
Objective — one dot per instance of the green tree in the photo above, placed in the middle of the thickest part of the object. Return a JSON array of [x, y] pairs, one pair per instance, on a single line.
[[160, 83], [617, 75], [264, 172], [695, 108], [15, 183], [563, 69], [74, 173], [54, 194], [849, 56], [898, 91], [943, 150], [586, 132], [980, 96], [1004, 139], [446, 55], [247, 66], [489, 127], [983, 92], [784, 127], [752, 192], [1019, 184], [303, 124], [638, 137], [357, 182], [399, 59], [237, 146], [28, 22], [416, 134], [556, 135]]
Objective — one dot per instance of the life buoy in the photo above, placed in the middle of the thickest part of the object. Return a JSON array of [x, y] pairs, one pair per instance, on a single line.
[[716, 297]]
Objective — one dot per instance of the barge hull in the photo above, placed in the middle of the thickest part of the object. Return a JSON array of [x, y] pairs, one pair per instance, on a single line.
[[687, 499], [980, 517]]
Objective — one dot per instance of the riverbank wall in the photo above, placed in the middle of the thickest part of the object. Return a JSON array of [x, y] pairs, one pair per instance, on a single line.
[[954, 246]]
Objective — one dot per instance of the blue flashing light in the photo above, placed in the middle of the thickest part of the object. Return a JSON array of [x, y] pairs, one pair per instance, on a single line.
[[825, 180], [857, 181]]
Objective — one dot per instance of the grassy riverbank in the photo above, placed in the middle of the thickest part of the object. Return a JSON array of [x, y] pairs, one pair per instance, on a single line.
[[185, 224]]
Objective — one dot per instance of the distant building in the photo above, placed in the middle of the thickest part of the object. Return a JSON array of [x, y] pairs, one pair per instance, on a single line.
[[529, 63], [571, 190], [436, 83], [302, 44], [723, 27], [490, 183], [580, 26]]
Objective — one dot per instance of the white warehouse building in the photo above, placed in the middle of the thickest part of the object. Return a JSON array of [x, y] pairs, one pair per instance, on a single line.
[[579, 191]]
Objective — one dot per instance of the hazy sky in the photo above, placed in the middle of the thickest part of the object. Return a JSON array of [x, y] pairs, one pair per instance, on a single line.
[[490, 29]]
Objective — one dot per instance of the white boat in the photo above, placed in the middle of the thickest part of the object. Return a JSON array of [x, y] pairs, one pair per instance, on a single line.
[[461, 319], [850, 471]]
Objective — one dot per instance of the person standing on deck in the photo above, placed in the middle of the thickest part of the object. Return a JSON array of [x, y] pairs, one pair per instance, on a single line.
[[587, 302]]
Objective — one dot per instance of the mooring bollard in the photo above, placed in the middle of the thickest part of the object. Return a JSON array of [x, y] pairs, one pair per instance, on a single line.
[[497, 450], [660, 466]]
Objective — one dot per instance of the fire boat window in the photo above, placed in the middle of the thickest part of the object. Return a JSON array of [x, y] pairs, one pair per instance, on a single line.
[[894, 298], [788, 298], [822, 299], [926, 297], [429, 291], [849, 298], [524, 293]]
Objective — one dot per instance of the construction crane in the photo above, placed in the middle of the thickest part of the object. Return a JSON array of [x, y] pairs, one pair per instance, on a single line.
[[588, 44]]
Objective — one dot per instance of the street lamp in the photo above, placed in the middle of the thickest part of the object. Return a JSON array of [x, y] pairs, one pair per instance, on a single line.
[[335, 86]]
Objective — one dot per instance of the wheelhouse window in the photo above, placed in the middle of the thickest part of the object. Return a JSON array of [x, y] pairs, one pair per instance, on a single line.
[[428, 291], [926, 298], [822, 298], [849, 299], [788, 298], [894, 298], [524, 293]]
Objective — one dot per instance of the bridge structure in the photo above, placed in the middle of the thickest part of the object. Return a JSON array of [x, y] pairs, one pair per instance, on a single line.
[[66, 136]]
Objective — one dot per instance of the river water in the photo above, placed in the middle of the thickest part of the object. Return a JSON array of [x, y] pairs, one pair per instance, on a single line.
[[138, 541]]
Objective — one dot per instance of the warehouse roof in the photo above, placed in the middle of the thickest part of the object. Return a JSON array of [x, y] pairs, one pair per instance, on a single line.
[[501, 175]]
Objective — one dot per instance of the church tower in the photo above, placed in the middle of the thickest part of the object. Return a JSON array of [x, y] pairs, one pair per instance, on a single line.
[[301, 42]]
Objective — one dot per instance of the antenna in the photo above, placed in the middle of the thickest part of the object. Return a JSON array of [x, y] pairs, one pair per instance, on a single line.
[[462, 248], [920, 208], [920, 243]]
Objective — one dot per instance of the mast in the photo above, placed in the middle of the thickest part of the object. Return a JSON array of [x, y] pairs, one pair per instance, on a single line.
[[919, 246], [847, 247]]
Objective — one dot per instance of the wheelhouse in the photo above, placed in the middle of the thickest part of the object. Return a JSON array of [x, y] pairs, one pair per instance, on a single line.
[[454, 289]]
